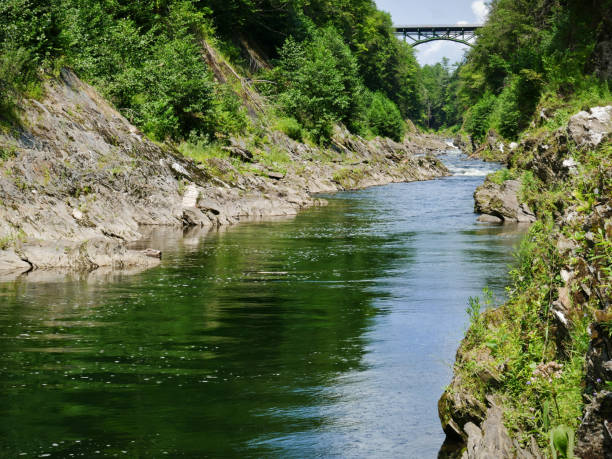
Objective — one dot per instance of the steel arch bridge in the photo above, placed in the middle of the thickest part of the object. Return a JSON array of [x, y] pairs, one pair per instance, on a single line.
[[419, 34]]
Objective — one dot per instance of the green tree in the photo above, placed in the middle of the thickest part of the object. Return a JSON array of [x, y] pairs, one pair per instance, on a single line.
[[318, 82], [384, 118]]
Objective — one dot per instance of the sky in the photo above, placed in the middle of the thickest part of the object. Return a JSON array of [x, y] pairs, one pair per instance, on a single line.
[[431, 12]]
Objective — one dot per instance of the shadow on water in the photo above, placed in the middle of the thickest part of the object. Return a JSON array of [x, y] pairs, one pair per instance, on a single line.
[[233, 336], [328, 334]]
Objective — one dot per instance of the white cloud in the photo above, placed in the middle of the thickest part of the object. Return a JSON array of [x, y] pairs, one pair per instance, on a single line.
[[481, 10], [431, 49], [462, 22]]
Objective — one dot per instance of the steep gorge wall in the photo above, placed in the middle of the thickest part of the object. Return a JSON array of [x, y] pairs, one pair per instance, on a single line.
[[78, 181], [528, 366]]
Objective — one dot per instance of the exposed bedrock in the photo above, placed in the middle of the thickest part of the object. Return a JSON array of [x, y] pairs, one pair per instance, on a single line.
[[502, 203], [78, 181]]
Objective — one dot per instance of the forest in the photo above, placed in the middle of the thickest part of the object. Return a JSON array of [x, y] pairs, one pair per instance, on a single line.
[[320, 62], [531, 55], [146, 57]]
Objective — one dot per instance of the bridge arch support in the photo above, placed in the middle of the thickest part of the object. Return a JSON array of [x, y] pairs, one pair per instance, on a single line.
[[418, 34]]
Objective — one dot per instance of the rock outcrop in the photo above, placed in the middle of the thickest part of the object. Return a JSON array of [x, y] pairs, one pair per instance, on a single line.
[[579, 291], [474, 426], [492, 440], [589, 129], [78, 181], [595, 432], [501, 203]]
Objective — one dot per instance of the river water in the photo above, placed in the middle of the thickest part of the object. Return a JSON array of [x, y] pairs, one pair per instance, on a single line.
[[331, 334]]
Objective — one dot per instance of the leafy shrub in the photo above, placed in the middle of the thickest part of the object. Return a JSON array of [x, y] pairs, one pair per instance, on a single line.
[[318, 82], [477, 119], [290, 127], [227, 114], [506, 116], [502, 175], [384, 118], [516, 103]]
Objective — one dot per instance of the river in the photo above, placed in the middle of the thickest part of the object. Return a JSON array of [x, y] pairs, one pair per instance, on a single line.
[[330, 334]]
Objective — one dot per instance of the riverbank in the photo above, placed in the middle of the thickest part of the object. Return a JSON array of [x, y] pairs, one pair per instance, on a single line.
[[285, 337], [78, 180], [532, 377]]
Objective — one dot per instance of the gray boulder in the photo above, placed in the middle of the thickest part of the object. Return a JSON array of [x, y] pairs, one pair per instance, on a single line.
[[502, 201], [589, 129], [492, 441]]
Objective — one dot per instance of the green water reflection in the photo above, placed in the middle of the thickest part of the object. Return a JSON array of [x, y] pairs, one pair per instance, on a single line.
[[233, 337], [331, 334]]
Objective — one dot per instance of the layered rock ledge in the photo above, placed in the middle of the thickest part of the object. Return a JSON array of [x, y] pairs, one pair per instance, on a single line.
[[78, 181]]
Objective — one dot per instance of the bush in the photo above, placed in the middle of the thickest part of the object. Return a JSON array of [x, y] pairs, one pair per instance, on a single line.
[[290, 127], [477, 119], [152, 71], [318, 83], [146, 57], [227, 114], [506, 116], [384, 118], [12, 64]]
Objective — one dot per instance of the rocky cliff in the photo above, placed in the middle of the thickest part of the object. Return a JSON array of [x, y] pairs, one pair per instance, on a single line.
[[532, 378], [78, 181]]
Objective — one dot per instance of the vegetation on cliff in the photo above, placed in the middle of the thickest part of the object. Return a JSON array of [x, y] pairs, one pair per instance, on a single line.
[[531, 352], [531, 55], [540, 356], [333, 62]]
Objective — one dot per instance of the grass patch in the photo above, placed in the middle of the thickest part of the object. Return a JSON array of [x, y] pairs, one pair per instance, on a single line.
[[290, 127], [7, 152], [274, 158], [349, 177], [502, 175], [202, 152]]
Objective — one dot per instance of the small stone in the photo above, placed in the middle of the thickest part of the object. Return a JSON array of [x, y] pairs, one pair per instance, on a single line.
[[77, 214], [180, 170], [152, 253], [566, 275], [276, 175], [486, 218]]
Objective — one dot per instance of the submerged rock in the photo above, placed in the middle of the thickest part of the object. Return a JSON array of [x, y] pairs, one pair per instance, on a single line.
[[486, 218]]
